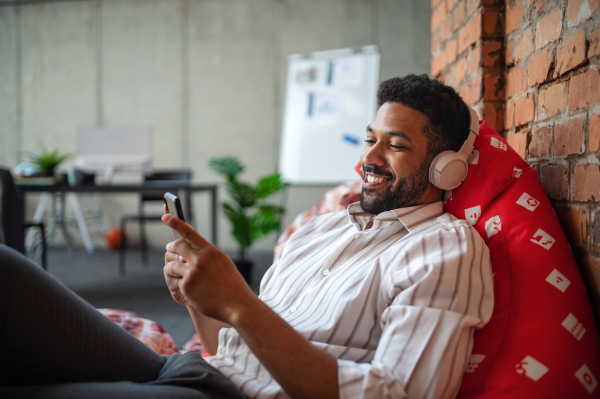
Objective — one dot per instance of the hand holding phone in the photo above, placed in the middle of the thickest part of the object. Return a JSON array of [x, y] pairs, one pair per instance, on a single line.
[[174, 208]]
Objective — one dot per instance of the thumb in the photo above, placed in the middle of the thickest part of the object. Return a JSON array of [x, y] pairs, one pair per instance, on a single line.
[[185, 231]]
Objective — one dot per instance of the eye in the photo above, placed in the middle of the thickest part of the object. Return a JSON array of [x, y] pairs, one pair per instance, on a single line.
[[397, 147], [370, 141]]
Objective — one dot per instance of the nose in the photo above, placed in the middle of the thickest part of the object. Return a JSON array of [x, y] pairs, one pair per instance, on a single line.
[[372, 155]]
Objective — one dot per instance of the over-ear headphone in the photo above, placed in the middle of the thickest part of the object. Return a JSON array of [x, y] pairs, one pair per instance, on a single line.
[[449, 169]]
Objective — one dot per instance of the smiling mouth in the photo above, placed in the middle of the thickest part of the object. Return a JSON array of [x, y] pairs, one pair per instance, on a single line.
[[373, 180]]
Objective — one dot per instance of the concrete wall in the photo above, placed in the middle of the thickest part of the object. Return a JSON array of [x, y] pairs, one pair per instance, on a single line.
[[206, 75]]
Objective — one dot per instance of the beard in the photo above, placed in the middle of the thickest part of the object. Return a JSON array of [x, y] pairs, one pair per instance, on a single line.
[[408, 190]]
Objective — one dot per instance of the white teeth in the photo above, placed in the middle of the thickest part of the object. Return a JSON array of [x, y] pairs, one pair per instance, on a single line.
[[373, 179]]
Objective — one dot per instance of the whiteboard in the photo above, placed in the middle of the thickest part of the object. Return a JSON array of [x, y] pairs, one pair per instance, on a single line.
[[331, 97]]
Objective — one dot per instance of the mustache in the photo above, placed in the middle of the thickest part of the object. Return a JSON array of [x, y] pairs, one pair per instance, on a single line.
[[375, 170]]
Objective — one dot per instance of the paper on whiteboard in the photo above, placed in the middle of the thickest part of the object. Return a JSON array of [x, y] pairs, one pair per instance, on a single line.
[[324, 104], [348, 72]]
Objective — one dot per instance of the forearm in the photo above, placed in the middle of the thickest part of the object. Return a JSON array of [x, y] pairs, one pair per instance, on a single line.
[[299, 367], [207, 329]]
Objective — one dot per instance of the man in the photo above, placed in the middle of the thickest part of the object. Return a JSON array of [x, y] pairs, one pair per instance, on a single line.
[[378, 301]]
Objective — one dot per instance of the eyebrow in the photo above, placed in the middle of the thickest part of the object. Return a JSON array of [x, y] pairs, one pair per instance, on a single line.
[[400, 134]]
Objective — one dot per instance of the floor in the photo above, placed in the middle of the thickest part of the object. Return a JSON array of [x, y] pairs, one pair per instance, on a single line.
[[141, 290]]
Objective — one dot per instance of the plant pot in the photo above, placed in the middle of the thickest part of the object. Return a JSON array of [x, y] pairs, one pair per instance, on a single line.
[[245, 269]]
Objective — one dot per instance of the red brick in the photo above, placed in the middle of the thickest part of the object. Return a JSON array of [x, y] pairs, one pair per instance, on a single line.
[[523, 45], [594, 137], [589, 267], [551, 101], [460, 70], [569, 137], [446, 78], [491, 53], [447, 27], [436, 40], [524, 111], [459, 15], [584, 90], [509, 115], [470, 33], [451, 48], [508, 52], [471, 93], [472, 5], [555, 181], [586, 185], [438, 15], [518, 142], [494, 116], [548, 29], [514, 15], [516, 81], [541, 142], [490, 22], [493, 87], [594, 42], [571, 54], [450, 4], [541, 4], [434, 3], [438, 63], [574, 223], [539, 65], [580, 10], [475, 60]]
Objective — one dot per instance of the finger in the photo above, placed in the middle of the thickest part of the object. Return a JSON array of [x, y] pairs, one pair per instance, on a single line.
[[165, 209], [183, 248], [186, 232], [175, 269], [171, 256]]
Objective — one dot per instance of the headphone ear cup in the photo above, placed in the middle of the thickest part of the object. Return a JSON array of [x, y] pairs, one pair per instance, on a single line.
[[448, 170]]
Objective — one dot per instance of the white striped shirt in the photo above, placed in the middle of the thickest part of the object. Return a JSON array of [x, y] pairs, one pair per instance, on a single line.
[[396, 304]]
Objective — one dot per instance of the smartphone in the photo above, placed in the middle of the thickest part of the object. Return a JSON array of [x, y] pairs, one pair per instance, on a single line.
[[174, 208], [174, 205]]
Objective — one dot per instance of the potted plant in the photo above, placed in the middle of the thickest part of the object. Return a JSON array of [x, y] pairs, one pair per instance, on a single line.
[[250, 217], [46, 161]]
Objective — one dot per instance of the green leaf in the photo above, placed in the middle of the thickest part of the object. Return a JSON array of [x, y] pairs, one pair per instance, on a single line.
[[47, 160], [228, 166], [268, 185], [265, 221], [241, 193]]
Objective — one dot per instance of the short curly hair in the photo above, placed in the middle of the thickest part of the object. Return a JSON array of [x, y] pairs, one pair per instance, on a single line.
[[448, 116]]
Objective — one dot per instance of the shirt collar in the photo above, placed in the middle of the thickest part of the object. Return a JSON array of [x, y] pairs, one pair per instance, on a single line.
[[410, 217]]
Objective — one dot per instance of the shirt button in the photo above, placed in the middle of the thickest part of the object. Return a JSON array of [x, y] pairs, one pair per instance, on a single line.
[[292, 310], [223, 351], [326, 272]]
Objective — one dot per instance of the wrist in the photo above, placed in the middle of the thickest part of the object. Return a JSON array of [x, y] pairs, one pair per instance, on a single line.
[[245, 313]]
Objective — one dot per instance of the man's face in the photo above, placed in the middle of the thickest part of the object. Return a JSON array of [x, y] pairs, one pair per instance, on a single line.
[[394, 161]]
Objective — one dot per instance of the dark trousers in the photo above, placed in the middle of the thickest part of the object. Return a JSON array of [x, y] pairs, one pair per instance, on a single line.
[[53, 344]]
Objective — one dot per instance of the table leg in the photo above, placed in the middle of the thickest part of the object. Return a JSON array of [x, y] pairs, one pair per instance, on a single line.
[[83, 230]]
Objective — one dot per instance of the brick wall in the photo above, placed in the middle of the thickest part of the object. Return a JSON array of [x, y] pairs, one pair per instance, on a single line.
[[531, 68]]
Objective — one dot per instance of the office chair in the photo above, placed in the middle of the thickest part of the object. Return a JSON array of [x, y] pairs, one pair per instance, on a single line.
[[179, 176], [12, 228]]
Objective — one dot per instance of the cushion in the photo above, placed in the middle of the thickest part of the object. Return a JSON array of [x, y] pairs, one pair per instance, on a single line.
[[541, 340], [149, 332]]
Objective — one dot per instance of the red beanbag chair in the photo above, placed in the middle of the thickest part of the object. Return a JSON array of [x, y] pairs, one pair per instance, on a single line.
[[541, 340]]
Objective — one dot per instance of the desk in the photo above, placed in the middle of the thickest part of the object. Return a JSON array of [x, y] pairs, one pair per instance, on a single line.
[[181, 189]]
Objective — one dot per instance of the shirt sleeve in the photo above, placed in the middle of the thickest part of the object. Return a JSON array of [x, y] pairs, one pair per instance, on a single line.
[[439, 293]]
